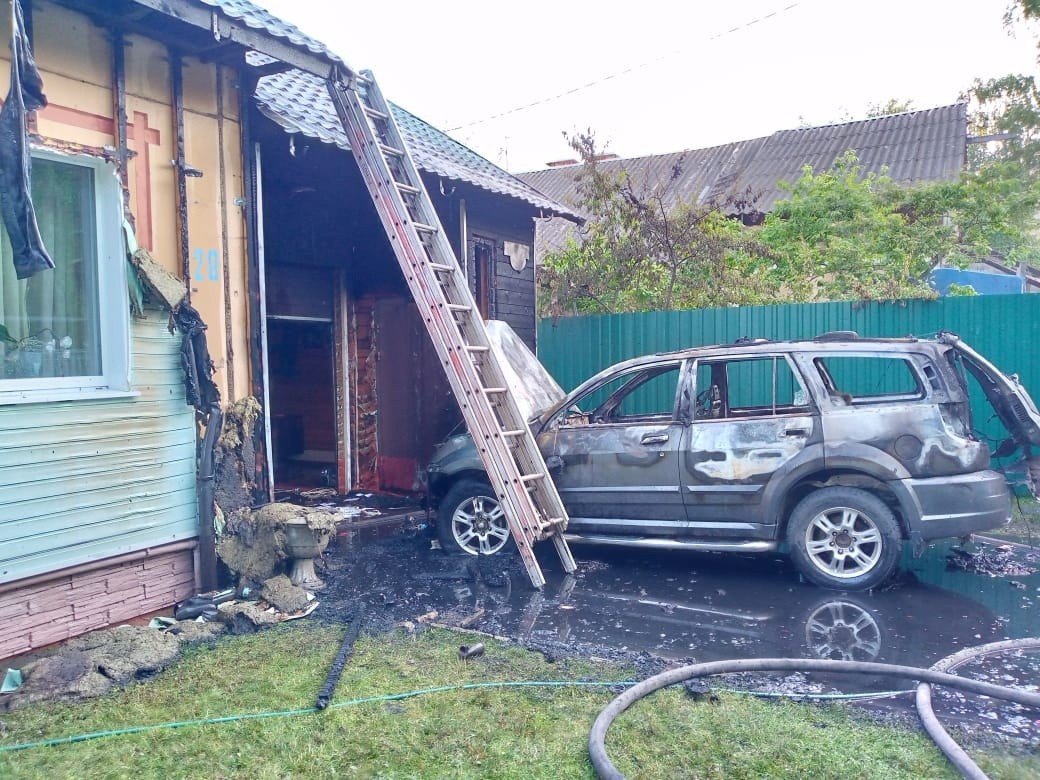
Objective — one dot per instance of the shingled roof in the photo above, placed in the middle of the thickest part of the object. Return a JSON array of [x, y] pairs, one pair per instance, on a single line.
[[263, 20], [914, 146], [300, 103]]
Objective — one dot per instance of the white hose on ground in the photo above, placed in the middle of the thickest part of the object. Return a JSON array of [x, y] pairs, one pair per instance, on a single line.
[[597, 736], [954, 752]]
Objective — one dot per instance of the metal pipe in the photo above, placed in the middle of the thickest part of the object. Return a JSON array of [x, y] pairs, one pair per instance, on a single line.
[[471, 651], [464, 239]]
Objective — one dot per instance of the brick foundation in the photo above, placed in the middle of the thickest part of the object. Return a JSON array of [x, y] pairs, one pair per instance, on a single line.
[[42, 613]]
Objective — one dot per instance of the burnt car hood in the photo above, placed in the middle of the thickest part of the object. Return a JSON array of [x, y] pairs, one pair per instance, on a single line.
[[532, 387], [1009, 399]]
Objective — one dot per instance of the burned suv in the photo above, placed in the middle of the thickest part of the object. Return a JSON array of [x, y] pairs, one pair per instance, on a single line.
[[841, 448]]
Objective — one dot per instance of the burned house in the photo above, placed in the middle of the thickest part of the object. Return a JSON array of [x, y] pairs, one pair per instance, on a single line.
[[200, 132]]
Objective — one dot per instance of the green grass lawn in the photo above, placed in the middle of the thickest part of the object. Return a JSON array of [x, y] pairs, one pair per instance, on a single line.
[[522, 732]]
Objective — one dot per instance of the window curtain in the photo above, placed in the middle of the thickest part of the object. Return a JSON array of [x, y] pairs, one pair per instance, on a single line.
[[52, 318]]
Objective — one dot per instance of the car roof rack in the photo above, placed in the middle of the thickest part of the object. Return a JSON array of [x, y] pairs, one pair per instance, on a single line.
[[837, 335]]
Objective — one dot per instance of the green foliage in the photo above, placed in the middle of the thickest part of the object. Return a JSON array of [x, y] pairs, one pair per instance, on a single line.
[[843, 234], [638, 253], [963, 290]]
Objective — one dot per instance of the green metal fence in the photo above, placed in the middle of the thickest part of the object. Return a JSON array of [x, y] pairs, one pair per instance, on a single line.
[[1004, 328]]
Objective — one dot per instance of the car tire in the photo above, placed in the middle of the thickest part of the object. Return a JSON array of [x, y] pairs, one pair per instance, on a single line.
[[470, 520], [844, 538]]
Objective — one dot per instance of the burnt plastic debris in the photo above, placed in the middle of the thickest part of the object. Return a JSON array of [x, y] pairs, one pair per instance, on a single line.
[[203, 605], [345, 649]]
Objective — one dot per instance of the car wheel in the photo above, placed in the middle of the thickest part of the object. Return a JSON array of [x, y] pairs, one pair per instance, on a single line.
[[844, 538], [471, 520]]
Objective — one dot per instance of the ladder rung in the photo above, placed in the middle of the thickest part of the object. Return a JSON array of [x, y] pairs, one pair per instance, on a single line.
[[517, 432], [375, 113], [441, 268], [531, 477], [407, 188], [458, 307], [476, 348], [424, 227], [390, 150], [494, 390]]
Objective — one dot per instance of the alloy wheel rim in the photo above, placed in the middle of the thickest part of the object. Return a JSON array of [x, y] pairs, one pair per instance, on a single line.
[[843, 542], [479, 526]]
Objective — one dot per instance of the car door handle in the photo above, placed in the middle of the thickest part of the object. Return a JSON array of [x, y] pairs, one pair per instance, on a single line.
[[654, 438], [802, 432]]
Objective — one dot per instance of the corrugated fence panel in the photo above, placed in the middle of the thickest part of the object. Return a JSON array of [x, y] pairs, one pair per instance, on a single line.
[[86, 480], [1004, 328]]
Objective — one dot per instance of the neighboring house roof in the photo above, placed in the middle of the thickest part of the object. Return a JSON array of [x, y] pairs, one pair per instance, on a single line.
[[915, 146], [300, 103]]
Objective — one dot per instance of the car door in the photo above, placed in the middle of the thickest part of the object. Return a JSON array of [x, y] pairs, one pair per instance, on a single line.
[[751, 416], [614, 453]]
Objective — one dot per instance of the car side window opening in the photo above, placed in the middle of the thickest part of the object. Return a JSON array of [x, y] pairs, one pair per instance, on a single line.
[[863, 379], [748, 388], [642, 395]]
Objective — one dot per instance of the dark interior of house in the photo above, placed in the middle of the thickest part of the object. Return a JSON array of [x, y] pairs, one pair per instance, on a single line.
[[326, 258]]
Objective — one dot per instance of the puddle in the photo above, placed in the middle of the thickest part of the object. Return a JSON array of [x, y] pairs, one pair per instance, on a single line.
[[705, 607]]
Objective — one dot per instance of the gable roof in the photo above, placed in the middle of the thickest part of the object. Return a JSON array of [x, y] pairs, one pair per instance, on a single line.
[[300, 103], [297, 98], [914, 146]]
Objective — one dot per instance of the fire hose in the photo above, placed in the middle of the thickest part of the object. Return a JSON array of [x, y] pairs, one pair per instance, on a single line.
[[606, 770]]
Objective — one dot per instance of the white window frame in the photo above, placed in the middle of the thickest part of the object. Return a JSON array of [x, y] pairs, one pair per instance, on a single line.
[[113, 300]]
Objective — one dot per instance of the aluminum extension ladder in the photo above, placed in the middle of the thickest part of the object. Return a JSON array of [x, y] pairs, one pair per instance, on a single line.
[[507, 448]]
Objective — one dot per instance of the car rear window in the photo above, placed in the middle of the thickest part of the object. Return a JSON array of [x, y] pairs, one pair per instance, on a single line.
[[870, 379]]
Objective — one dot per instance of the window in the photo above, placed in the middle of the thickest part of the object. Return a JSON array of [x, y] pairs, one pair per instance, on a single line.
[[750, 387], [642, 395], [859, 379], [66, 328]]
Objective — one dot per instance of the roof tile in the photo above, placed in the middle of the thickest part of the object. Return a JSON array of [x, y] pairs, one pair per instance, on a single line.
[[300, 103]]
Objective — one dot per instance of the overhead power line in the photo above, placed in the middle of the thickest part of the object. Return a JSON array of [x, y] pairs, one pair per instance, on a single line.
[[624, 72]]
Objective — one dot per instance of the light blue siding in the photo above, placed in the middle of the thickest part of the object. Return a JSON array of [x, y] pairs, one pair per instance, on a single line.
[[86, 480]]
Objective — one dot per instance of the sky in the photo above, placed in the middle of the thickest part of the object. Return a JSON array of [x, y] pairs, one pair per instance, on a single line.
[[510, 79]]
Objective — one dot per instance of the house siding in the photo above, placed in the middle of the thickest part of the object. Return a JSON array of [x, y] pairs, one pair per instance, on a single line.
[[90, 480]]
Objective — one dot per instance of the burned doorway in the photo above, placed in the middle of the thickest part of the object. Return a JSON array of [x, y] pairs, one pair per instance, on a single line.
[[301, 348], [416, 408]]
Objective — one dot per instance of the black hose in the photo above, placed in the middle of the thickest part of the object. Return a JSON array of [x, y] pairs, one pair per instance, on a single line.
[[597, 736], [954, 752], [345, 649]]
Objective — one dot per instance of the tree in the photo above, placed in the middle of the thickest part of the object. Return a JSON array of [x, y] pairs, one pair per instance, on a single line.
[[846, 234], [638, 251]]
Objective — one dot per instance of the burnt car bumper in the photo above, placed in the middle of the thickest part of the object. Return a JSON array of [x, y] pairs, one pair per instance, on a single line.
[[959, 505]]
